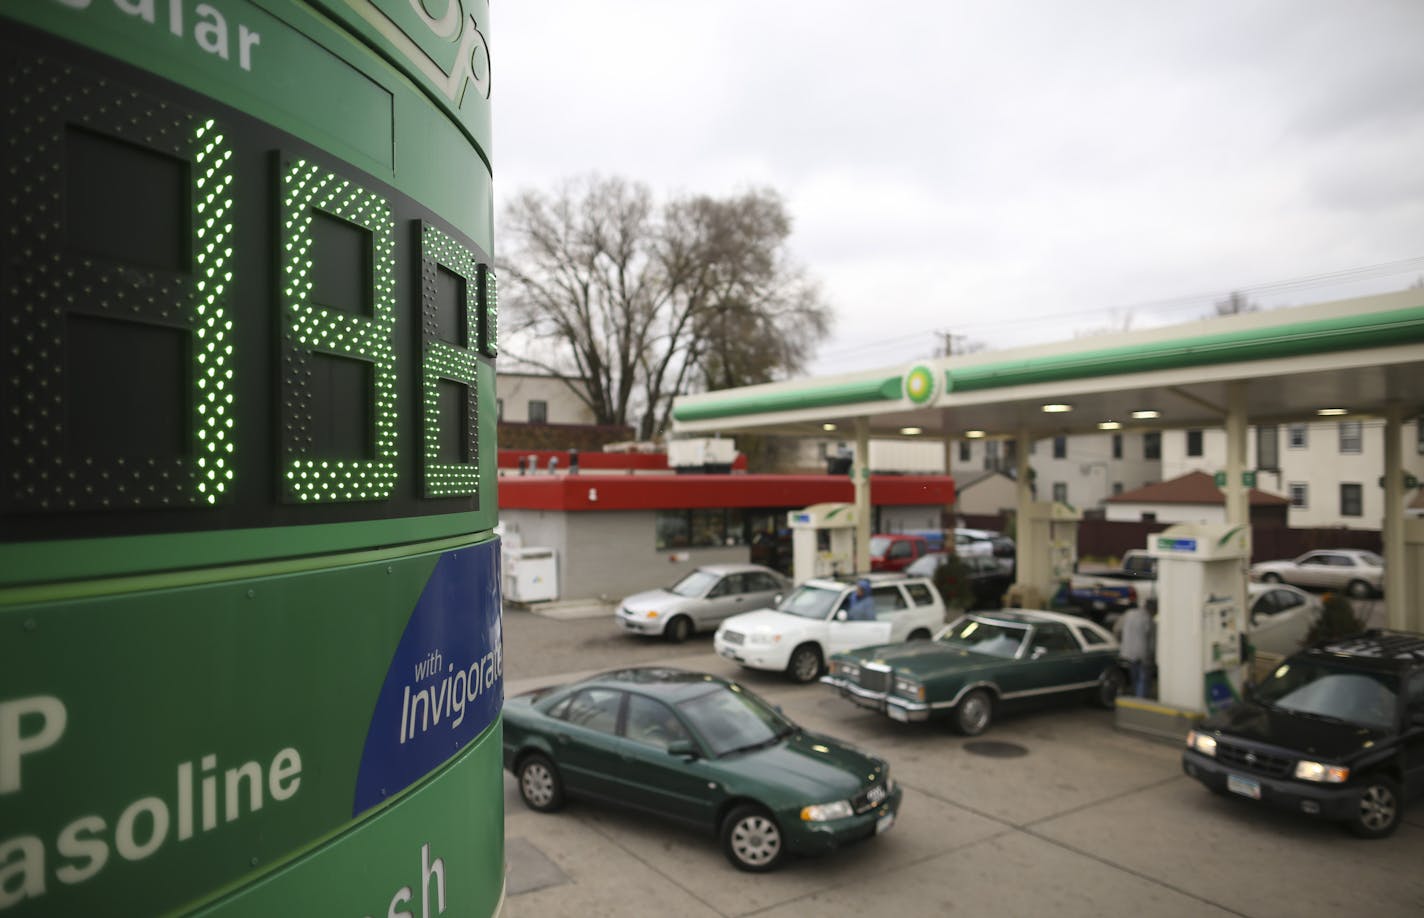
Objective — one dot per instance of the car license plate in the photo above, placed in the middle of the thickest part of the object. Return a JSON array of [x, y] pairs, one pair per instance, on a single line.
[[883, 824], [897, 713], [1244, 786], [730, 654]]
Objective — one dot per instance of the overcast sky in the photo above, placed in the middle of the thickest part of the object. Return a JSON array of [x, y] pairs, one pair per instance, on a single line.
[[1017, 172]]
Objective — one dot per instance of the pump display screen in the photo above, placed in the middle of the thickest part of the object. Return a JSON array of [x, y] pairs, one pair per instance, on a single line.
[[211, 325]]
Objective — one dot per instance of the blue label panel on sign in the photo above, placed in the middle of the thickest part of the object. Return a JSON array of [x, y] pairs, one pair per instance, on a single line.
[[1177, 544], [445, 684]]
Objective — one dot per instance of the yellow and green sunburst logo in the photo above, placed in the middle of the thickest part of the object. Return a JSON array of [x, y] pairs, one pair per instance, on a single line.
[[919, 384]]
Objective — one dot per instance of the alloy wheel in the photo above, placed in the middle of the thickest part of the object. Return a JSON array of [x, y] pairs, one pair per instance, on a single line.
[[756, 840]]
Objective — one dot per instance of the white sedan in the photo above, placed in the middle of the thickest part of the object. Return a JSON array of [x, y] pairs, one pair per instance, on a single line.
[[1358, 573], [1281, 617], [811, 624]]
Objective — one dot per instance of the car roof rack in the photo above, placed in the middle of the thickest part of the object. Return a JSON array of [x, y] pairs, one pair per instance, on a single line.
[[1380, 644]]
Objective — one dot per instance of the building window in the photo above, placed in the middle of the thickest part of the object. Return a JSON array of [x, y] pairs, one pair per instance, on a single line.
[[1298, 436], [1011, 454], [703, 528], [1419, 433], [1268, 448], [499, 409], [1350, 436], [1033, 444], [1351, 499], [1152, 445], [1060, 447], [538, 412], [1060, 491], [991, 454], [1299, 495], [1117, 446], [1117, 488], [1194, 443], [963, 450]]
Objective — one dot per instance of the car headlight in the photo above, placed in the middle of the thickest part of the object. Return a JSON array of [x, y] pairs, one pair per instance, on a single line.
[[849, 670], [762, 637], [1202, 742], [1319, 771], [910, 689], [821, 812]]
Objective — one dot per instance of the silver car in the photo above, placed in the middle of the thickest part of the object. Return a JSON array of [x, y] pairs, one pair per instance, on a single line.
[[1358, 573], [701, 600], [1281, 617]]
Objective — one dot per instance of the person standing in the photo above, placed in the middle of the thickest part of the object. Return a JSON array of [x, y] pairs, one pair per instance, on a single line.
[[1138, 647], [862, 603]]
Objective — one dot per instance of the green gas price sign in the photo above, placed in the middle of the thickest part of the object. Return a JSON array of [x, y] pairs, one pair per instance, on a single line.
[[250, 634]]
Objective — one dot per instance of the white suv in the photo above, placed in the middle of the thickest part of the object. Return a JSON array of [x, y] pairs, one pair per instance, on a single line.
[[811, 624]]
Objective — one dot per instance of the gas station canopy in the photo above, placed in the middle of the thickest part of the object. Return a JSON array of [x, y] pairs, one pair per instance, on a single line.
[[1352, 358]]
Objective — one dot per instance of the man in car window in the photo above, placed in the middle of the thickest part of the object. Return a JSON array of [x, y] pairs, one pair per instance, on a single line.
[[862, 604]]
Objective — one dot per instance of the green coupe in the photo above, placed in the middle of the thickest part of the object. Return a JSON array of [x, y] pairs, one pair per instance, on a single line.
[[978, 662], [702, 751]]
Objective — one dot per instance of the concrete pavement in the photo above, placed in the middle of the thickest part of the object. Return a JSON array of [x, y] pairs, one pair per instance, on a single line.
[[1087, 821]]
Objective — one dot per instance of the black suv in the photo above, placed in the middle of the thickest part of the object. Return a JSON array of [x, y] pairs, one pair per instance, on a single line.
[[1336, 731]]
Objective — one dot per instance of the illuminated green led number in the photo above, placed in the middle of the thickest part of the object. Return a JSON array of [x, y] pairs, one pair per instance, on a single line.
[[118, 263], [450, 322], [324, 461]]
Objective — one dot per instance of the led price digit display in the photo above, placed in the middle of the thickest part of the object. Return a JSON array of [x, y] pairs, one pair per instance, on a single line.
[[115, 311], [162, 354], [331, 343]]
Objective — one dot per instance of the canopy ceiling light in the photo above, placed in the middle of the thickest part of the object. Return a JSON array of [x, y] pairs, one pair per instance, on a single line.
[[911, 431], [1056, 408], [828, 427], [1109, 425], [1146, 414], [1332, 412], [974, 434]]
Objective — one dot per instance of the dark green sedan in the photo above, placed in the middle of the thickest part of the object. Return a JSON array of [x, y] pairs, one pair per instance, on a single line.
[[977, 663], [702, 751]]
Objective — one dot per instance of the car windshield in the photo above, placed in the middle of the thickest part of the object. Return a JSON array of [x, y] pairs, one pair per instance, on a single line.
[[878, 545], [1320, 689], [731, 719], [695, 584], [1372, 559], [984, 637], [810, 602]]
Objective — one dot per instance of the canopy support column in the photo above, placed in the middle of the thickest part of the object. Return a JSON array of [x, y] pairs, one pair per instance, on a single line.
[[861, 472], [1396, 567]]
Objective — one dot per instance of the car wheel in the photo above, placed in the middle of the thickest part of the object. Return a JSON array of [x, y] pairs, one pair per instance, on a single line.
[[1110, 685], [539, 784], [805, 663], [1379, 810], [679, 629], [751, 839], [1359, 589], [919, 634], [1271, 577], [974, 713]]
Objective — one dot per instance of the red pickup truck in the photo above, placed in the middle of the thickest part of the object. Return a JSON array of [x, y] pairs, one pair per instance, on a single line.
[[895, 552]]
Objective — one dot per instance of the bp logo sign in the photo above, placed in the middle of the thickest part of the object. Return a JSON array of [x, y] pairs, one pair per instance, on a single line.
[[920, 385]]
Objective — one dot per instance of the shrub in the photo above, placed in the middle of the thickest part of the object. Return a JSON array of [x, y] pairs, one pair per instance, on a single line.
[[1338, 619], [952, 580]]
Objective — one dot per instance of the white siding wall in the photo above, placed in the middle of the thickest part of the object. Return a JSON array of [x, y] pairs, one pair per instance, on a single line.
[[517, 390]]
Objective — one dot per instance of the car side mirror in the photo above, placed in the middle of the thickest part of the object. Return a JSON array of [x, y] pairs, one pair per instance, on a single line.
[[1039, 651], [776, 600], [841, 615], [686, 749]]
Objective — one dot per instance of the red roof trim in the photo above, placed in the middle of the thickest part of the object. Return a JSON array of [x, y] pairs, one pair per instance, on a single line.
[[1191, 488], [572, 493]]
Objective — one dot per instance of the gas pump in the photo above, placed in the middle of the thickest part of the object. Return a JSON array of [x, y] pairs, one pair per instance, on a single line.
[[1201, 613], [1047, 550], [822, 541]]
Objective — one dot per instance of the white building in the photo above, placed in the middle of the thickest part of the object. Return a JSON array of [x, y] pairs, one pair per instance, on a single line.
[[535, 398], [1329, 469]]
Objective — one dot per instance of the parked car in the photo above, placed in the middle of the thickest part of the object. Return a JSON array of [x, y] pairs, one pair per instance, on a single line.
[[811, 623], [895, 552], [1337, 731], [1103, 595], [1279, 617], [702, 751], [976, 542], [979, 662], [988, 580], [701, 600], [1358, 573]]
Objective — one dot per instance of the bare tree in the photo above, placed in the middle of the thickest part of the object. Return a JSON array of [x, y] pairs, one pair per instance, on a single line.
[[645, 302], [1235, 304], [1119, 320], [951, 345]]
